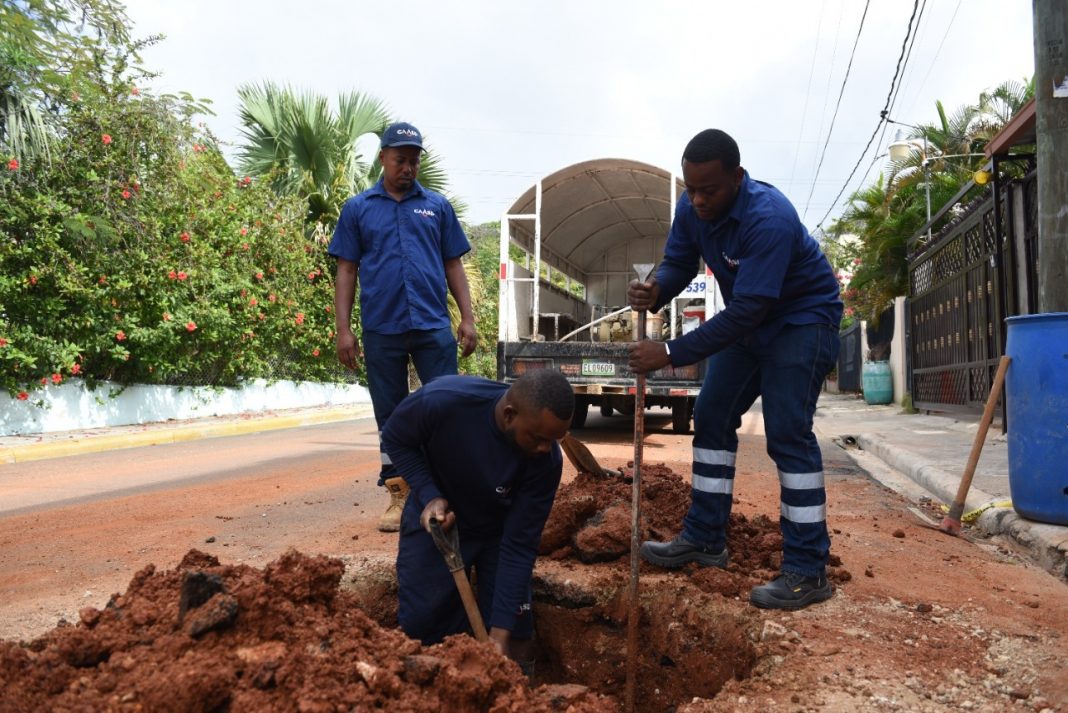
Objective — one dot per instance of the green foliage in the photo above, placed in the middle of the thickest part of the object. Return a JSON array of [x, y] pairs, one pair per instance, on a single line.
[[868, 244], [136, 255], [482, 265]]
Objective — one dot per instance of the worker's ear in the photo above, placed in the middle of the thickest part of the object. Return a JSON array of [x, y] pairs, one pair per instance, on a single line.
[[510, 414]]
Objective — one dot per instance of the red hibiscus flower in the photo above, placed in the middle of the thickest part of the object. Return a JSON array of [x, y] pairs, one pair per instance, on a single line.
[[120, 336], [76, 369], [182, 275], [300, 318], [190, 326], [23, 396], [106, 138], [13, 164], [57, 379], [184, 237]]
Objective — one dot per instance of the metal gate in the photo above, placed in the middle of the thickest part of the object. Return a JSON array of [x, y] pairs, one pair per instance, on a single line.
[[962, 285]]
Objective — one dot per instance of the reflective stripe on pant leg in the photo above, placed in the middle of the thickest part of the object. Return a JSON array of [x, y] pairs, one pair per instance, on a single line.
[[803, 522], [731, 385]]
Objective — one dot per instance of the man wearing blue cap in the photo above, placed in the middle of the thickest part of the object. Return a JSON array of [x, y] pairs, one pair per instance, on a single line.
[[404, 243]]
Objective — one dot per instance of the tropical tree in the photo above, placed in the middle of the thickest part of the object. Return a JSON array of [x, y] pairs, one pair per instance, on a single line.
[[308, 149], [880, 218]]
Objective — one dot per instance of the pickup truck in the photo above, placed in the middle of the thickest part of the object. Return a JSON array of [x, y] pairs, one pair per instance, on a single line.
[[581, 230]]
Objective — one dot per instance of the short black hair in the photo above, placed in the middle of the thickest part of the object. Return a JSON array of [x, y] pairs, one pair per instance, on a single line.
[[713, 145], [545, 388]]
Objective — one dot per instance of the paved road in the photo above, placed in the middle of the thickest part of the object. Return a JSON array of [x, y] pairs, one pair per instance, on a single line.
[[83, 525]]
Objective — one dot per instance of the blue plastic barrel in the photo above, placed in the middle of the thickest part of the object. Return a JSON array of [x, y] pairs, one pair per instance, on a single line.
[[878, 385], [1036, 389]]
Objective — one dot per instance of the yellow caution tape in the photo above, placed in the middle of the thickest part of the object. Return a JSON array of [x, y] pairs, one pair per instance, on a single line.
[[973, 515]]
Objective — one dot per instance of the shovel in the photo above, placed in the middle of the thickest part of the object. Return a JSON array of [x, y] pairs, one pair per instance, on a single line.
[[449, 546], [584, 461]]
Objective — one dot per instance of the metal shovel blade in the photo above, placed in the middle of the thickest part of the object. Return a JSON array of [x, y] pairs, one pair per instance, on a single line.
[[580, 457], [643, 269]]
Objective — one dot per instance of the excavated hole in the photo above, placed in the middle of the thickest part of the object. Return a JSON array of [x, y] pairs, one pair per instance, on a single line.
[[690, 642]]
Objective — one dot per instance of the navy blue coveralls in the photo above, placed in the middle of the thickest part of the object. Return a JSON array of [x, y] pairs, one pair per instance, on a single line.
[[401, 248], [759, 250], [444, 438]]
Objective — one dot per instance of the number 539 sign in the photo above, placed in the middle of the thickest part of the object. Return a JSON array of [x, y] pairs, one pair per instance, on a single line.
[[696, 287]]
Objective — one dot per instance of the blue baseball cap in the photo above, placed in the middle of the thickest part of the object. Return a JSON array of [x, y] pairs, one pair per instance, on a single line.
[[401, 134]]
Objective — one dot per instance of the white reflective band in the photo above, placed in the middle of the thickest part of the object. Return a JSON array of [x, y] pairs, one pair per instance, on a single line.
[[801, 481], [724, 486], [385, 458], [809, 514], [710, 457]]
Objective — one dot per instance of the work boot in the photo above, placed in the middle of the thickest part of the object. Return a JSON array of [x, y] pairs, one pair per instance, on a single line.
[[398, 493], [791, 591], [681, 551]]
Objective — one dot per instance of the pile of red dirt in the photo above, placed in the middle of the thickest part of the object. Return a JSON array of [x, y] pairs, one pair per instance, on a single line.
[[591, 522], [208, 637]]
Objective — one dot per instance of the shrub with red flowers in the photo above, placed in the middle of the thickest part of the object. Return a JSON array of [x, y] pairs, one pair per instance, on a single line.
[[136, 255]]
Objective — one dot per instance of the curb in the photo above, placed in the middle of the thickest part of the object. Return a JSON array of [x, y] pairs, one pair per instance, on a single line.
[[177, 434], [1046, 544]]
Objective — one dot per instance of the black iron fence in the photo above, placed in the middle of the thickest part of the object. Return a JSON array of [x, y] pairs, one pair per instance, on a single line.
[[963, 283]]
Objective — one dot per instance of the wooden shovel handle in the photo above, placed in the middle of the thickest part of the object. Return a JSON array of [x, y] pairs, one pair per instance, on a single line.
[[470, 605], [957, 509]]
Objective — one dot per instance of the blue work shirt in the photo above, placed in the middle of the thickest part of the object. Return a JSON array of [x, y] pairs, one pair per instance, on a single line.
[[400, 248], [760, 249], [444, 438]]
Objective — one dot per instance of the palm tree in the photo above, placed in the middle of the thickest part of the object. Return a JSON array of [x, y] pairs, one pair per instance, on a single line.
[[310, 150]]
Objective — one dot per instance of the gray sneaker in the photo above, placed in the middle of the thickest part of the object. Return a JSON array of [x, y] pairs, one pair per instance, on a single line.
[[681, 551]]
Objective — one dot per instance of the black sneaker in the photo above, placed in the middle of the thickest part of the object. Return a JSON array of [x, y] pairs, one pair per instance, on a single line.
[[679, 552], [791, 591]]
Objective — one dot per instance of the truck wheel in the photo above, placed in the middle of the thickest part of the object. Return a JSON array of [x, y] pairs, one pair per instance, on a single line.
[[578, 418], [606, 408], [680, 416]]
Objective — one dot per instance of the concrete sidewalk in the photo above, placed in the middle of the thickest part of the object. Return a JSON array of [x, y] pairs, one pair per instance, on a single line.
[[932, 451]]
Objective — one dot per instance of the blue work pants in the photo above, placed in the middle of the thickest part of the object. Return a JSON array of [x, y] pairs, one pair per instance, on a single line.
[[787, 373], [386, 357]]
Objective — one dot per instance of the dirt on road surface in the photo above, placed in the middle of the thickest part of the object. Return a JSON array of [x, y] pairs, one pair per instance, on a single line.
[[920, 621]]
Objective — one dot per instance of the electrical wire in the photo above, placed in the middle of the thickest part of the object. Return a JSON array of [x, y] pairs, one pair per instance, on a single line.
[[882, 114], [808, 90], [841, 92]]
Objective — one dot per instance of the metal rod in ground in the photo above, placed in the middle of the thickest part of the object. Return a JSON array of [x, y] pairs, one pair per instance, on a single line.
[[634, 607]]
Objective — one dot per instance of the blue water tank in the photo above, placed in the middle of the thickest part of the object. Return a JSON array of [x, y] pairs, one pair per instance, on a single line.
[[1036, 392], [878, 385]]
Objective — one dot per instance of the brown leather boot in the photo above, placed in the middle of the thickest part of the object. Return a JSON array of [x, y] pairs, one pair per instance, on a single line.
[[398, 493]]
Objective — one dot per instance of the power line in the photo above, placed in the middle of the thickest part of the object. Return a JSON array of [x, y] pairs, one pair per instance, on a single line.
[[808, 90], [882, 115], [841, 92]]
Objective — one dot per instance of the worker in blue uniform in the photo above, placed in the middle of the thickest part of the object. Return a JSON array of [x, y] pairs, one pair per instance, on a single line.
[[404, 244], [777, 339], [481, 456]]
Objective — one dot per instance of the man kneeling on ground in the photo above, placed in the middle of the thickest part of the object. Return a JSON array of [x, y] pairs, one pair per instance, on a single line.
[[481, 456]]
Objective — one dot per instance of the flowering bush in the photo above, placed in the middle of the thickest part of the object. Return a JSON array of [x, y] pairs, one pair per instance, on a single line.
[[135, 254]]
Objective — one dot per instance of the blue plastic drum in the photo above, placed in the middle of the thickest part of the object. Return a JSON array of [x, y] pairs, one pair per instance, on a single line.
[[1036, 392]]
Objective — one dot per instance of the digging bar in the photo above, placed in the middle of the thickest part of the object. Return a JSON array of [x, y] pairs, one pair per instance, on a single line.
[[449, 546], [633, 605]]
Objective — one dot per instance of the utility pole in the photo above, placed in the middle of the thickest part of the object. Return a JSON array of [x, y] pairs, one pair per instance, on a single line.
[[1051, 112]]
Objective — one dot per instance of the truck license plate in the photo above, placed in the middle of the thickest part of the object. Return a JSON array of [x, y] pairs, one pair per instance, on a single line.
[[598, 368]]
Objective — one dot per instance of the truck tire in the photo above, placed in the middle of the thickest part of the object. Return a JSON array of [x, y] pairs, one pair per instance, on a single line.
[[606, 408], [578, 418], [681, 413]]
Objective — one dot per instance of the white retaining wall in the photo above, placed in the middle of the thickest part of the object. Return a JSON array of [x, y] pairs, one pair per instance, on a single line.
[[72, 405]]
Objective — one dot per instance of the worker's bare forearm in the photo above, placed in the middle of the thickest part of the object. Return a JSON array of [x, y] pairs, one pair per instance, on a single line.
[[344, 294]]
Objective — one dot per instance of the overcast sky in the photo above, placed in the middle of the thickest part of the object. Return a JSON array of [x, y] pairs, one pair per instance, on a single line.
[[507, 92]]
